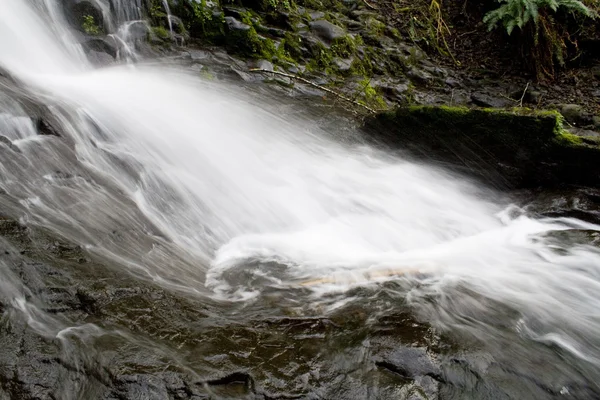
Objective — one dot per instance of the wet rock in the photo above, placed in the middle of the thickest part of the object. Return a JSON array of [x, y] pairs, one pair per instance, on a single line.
[[261, 64], [100, 58], [485, 100], [326, 31], [8, 143], [410, 362], [100, 45], [235, 25]]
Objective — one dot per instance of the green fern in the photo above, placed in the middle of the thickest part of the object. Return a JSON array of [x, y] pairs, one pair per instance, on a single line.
[[518, 13]]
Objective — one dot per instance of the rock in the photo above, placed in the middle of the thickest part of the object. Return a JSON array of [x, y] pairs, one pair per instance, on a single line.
[[596, 121], [485, 100], [199, 55], [326, 31], [547, 154], [410, 362], [396, 92], [261, 64], [419, 76], [572, 112], [100, 45], [316, 15], [235, 25], [343, 64], [453, 83], [6, 141], [45, 129], [77, 10], [100, 59]]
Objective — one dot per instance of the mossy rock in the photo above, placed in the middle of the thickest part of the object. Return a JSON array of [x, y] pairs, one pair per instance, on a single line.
[[515, 148]]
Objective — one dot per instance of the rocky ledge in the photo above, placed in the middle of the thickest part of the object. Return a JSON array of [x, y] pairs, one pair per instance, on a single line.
[[515, 148]]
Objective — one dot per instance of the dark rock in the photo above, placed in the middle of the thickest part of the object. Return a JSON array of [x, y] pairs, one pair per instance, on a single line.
[[77, 10], [453, 83], [101, 45], [281, 19], [485, 100], [45, 128], [394, 91], [419, 76], [327, 31], [410, 362], [235, 25], [547, 155], [572, 112], [6, 141]]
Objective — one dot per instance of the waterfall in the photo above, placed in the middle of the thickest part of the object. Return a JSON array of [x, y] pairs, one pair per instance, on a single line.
[[199, 187]]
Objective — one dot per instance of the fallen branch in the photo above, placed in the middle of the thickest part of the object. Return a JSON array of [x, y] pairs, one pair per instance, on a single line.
[[304, 80], [371, 6], [523, 96]]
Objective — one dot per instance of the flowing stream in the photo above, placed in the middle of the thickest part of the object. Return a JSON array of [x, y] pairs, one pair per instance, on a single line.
[[214, 194]]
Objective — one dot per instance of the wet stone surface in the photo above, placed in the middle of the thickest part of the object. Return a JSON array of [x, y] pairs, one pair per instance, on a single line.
[[75, 328]]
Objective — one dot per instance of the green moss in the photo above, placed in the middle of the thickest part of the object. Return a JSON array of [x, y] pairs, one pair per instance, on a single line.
[[345, 46], [369, 96], [374, 26], [322, 60], [248, 43], [323, 5], [160, 32], [90, 26], [568, 139], [292, 45]]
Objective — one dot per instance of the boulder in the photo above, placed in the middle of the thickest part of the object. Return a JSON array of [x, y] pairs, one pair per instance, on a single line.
[[485, 100], [516, 148], [327, 31], [572, 112]]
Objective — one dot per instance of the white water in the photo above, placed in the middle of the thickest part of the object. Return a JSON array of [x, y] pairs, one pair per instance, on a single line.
[[188, 183]]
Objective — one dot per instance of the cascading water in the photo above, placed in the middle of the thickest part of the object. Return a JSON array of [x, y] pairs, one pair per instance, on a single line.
[[184, 182]]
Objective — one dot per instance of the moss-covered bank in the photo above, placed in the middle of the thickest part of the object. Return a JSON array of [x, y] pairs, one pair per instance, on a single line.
[[516, 148]]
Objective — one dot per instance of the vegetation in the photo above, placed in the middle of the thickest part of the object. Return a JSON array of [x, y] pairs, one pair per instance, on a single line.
[[544, 28], [90, 26]]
